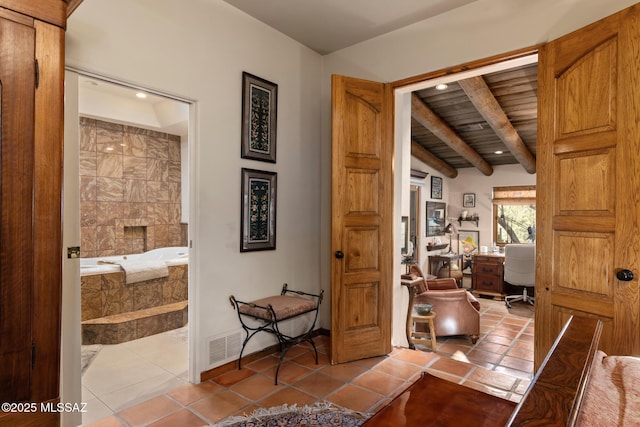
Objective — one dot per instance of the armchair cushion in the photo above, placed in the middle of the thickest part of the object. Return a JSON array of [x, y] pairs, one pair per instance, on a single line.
[[455, 312]]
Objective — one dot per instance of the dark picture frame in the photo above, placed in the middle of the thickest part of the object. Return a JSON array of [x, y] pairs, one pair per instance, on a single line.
[[258, 223], [436, 218], [259, 118], [469, 200], [436, 187]]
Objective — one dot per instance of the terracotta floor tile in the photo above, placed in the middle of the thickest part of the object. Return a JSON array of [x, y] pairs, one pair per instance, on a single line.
[[356, 398], [379, 382], [522, 386], [151, 410], [493, 379], [419, 358], [289, 372], [263, 364], [319, 384], [521, 353], [289, 396], [449, 349], [498, 339], [505, 332], [255, 387], [344, 371], [515, 363], [111, 421], [480, 356], [294, 352], [398, 368], [189, 393], [513, 372], [182, 418], [219, 405], [452, 367], [230, 378], [370, 362], [308, 360], [492, 347]]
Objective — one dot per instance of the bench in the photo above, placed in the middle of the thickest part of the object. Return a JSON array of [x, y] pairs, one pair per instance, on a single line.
[[270, 311]]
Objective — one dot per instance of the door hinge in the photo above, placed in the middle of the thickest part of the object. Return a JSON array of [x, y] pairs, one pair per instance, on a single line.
[[37, 74], [33, 354]]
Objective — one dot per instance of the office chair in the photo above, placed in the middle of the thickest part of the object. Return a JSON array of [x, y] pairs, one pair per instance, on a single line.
[[520, 270]]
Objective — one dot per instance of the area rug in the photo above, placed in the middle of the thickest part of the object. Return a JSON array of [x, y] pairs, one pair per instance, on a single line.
[[88, 354], [322, 414]]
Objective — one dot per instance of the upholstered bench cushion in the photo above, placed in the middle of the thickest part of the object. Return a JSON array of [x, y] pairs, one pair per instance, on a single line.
[[284, 307]]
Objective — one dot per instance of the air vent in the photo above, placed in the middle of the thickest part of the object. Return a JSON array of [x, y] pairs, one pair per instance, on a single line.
[[224, 348]]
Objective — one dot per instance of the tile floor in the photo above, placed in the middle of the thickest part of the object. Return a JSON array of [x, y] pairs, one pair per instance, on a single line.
[[501, 363]]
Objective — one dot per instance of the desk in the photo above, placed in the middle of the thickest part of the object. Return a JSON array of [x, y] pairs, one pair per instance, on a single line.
[[488, 275]]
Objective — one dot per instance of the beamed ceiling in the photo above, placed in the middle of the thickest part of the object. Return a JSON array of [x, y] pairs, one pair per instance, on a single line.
[[464, 125]]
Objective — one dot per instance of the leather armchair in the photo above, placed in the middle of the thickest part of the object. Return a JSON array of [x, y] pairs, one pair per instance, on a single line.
[[457, 310]]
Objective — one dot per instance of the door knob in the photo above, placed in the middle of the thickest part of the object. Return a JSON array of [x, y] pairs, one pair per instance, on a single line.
[[339, 254], [625, 275]]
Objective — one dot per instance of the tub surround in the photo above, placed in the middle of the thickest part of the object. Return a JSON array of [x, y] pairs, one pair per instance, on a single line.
[[114, 311], [130, 189]]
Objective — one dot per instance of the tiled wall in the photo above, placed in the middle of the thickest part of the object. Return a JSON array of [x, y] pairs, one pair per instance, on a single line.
[[130, 199]]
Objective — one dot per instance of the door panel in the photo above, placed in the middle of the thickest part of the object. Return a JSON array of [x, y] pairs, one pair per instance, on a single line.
[[362, 200], [17, 83], [589, 182]]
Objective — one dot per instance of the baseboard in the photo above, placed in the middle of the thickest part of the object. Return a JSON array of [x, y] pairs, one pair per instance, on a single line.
[[230, 366]]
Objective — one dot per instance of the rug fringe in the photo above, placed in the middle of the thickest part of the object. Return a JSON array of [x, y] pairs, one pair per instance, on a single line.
[[283, 409]]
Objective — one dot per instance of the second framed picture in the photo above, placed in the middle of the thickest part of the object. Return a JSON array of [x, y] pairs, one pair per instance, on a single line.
[[258, 223], [259, 118], [436, 187]]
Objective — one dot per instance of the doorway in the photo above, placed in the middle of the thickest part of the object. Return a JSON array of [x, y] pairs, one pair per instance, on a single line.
[[133, 156]]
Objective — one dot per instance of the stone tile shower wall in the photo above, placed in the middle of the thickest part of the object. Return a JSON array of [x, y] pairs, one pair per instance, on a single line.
[[130, 199]]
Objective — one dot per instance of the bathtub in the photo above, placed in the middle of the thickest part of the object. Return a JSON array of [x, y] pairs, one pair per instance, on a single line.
[[173, 255], [114, 312]]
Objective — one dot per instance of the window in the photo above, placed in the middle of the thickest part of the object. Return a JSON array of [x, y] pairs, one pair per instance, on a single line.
[[514, 214]]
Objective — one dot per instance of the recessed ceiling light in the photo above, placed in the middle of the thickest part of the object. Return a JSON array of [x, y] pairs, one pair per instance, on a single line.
[[141, 95], [441, 86], [498, 152]]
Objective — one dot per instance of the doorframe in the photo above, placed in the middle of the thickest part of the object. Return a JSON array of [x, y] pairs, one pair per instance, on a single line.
[[71, 382], [402, 90]]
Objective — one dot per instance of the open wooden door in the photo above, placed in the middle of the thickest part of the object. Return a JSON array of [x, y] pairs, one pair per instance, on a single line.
[[589, 183], [362, 219]]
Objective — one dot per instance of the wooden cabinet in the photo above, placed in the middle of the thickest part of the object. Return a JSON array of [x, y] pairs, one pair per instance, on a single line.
[[31, 133], [488, 274]]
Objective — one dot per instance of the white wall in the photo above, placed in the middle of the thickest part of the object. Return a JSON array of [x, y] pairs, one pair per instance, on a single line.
[[478, 30], [198, 52]]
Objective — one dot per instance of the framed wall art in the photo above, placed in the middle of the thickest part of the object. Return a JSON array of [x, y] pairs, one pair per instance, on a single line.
[[435, 218], [469, 200], [258, 223], [436, 187], [259, 118]]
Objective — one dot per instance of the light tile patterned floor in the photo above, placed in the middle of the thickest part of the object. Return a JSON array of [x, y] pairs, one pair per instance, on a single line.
[[501, 363]]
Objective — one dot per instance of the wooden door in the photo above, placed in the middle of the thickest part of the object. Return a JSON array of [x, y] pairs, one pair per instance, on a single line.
[[362, 202], [17, 85], [588, 183]]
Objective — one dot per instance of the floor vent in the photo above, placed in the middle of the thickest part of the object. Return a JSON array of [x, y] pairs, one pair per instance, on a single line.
[[224, 348]]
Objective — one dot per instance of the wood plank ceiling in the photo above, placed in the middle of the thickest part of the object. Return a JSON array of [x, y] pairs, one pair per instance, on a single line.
[[465, 124]]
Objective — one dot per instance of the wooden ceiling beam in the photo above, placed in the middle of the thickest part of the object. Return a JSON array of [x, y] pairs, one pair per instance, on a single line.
[[430, 120], [425, 156], [487, 105]]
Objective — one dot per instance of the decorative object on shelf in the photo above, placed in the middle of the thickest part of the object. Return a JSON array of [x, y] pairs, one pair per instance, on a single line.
[[436, 246], [422, 309], [259, 118], [258, 222], [469, 200], [468, 245], [471, 218], [450, 229], [435, 218], [436, 187]]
